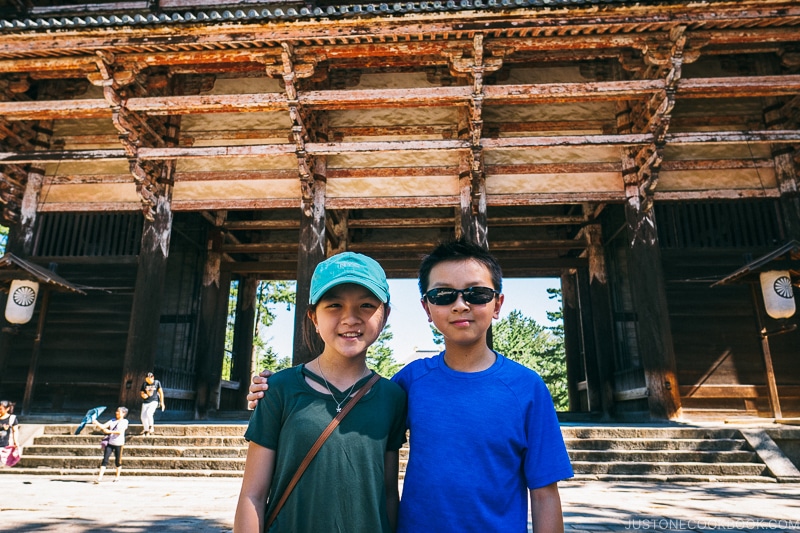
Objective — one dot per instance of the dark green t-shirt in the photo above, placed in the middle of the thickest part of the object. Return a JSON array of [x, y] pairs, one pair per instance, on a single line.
[[343, 488]]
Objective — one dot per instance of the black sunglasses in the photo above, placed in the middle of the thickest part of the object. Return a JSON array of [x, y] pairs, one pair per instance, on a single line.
[[472, 295]]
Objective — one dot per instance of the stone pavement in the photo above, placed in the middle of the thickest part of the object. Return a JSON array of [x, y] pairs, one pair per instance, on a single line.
[[73, 504]]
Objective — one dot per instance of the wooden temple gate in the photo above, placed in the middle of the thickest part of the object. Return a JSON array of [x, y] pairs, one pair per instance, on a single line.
[[638, 151]]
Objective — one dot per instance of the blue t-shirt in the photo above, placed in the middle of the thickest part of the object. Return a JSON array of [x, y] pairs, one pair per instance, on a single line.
[[478, 442]]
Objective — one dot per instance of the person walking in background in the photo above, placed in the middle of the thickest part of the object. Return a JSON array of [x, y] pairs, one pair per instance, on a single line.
[[9, 441], [115, 429], [152, 395]]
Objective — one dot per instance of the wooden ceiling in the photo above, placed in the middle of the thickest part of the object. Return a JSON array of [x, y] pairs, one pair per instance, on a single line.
[[523, 115]]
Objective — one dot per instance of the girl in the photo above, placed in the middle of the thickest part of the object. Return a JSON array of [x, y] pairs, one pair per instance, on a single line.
[[351, 485]]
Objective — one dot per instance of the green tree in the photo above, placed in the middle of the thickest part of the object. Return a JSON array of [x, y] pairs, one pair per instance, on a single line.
[[271, 293], [380, 356], [535, 346], [268, 294], [268, 357]]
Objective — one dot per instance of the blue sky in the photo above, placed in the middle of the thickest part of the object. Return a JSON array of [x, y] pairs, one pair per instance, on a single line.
[[409, 324]]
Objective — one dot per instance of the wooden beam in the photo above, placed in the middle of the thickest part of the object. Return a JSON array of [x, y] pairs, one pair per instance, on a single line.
[[334, 148], [522, 94]]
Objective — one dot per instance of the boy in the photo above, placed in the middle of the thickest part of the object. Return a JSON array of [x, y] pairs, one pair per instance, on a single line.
[[484, 433]]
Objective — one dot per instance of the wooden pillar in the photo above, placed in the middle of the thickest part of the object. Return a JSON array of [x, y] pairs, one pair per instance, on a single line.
[[311, 253], [211, 329], [786, 174], [472, 211], [650, 300], [589, 346], [573, 347], [21, 236], [769, 369], [783, 156], [37, 348], [21, 243], [140, 350], [602, 318], [243, 330]]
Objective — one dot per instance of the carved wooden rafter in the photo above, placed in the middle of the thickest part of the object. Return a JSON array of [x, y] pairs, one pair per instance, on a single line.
[[153, 179], [475, 67], [640, 167], [24, 136], [292, 68]]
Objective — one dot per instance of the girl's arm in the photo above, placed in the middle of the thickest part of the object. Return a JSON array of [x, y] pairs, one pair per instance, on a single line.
[[14, 438], [257, 478], [391, 468]]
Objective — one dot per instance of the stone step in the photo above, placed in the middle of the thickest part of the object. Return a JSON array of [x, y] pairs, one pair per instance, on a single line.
[[674, 478], [127, 471], [171, 451], [167, 430], [661, 456], [648, 432], [151, 463], [141, 440], [670, 468], [720, 445]]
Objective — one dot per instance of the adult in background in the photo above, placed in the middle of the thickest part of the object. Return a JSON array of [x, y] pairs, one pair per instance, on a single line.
[[152, 395], [9, 443], [115, 429]]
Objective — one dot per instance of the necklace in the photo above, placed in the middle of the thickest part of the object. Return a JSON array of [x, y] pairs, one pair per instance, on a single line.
[[346, 396]]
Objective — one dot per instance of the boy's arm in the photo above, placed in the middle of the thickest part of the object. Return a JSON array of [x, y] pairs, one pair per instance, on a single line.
[[391, 470], [546, 510], [161, 397], [251, 507]]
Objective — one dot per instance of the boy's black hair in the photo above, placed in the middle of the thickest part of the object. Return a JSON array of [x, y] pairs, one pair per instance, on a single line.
[[459, 250]]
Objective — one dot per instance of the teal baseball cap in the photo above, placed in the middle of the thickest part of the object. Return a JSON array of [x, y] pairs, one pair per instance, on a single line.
[[349, 267]]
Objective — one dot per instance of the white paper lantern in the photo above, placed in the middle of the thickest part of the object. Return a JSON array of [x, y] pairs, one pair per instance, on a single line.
[[776, 286], [21, 301]]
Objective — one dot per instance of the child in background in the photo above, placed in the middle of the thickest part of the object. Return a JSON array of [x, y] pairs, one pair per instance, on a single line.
[[484, 434], [351, 485], [115, 429]]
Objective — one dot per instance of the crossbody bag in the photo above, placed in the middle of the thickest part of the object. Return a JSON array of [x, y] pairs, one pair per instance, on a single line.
[[318, 444]]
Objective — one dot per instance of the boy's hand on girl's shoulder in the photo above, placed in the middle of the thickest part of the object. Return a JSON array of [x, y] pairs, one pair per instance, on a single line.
[[257, 388]]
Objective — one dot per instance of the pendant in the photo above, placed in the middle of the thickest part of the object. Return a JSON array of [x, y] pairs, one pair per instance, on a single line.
[[338, 409]]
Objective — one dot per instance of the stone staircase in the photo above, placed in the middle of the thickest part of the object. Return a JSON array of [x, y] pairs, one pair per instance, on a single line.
[[671, 454], [609, 453], [175, 450]]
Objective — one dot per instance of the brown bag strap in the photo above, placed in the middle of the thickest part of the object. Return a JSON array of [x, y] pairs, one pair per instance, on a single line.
[[318, 444]]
